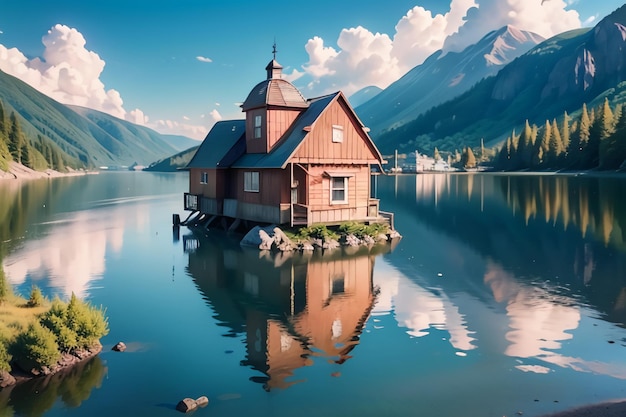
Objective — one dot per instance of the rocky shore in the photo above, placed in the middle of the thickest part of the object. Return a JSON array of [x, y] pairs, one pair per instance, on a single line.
[[273, 238], [19, 171], [67, 361]]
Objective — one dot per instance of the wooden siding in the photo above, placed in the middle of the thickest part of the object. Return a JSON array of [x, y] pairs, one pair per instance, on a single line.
[[275, 123], [256, 145], [278, 121], [196, 187], [214, 188], [274, 187], [318, 146], [256, 212]]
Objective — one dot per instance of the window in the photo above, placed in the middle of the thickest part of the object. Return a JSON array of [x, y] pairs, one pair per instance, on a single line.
[[258, 120], [338, 190], [204, 178], [251, 182], [337, 133]]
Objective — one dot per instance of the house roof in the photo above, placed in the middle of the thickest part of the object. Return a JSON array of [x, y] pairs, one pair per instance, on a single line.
[[282, 151], [274, 91], [219, 145], [225, 145]]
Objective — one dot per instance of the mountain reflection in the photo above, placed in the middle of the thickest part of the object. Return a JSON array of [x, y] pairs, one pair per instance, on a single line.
[[565, 232], [293, 308]]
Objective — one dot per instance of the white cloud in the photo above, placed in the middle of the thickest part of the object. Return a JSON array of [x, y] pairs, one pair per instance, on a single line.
[[590, 20], [187, 129], [364, 58], [67, 72], [204, 59], [70, 73]]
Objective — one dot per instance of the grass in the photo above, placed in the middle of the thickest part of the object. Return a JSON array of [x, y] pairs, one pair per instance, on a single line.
[[15, 315]]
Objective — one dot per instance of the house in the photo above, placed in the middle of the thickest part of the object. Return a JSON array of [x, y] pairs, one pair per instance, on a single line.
[[291, 161]]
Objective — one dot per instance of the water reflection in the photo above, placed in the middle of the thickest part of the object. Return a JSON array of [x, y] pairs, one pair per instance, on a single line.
[[293, 308], [58, 234], [36, 397]]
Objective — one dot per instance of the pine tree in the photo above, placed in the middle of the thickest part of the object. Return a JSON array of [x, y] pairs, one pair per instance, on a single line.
[[565, 131], [3, 123], [555, 146], [468, 160], [483, 157], [15, 138], [524, 147], [436, 155], [579, 140], [605, 129], [4, 286]]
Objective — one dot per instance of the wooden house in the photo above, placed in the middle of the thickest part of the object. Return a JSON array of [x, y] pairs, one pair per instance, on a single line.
[[290, 161]]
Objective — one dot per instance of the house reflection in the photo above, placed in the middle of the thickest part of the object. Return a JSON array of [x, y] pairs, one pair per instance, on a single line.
[[294, 308]]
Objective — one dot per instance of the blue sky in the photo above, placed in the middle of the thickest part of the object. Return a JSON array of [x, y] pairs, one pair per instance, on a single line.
[[180, 65]]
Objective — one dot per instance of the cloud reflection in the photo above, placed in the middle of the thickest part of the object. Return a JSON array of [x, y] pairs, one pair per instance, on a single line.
[[72, 254], [419, 310]]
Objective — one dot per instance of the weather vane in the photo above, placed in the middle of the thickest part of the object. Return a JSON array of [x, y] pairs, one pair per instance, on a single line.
[[274, 49]]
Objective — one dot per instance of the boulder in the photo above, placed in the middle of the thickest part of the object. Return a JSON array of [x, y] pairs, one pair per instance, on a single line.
[[351, 240], [306, 246], [202, 401], [119, 347], [252, 238], [266, 240], [330, 244], [6, 379], [368, 240], [186, 405]]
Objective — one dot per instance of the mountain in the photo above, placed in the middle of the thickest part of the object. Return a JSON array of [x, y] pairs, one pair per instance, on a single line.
[[444, 76], [173, 163], [558, 75], [87, 137], [364, 95]]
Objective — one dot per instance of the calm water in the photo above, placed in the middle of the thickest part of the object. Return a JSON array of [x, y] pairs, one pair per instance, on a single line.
[[506, 294]]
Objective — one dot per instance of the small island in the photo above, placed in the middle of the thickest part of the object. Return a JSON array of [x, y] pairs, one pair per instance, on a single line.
[[39, 337]]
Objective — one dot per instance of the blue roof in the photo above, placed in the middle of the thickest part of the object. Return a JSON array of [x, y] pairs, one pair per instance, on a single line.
[[219, 143], [284, 149]]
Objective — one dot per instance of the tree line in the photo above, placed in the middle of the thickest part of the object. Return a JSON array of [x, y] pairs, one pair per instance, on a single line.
[[594, 140], [39, 154]]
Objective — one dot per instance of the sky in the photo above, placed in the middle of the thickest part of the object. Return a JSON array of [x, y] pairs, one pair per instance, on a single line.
[[178, 66]]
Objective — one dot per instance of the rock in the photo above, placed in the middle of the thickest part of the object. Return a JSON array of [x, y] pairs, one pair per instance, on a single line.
[[186, 405], [266, 240], [317, 242], [202, 401], [394, 234], [352, 240], [368, 240], [6, 379], [119, 347], [306, 246], [330, 244], [382, 237], [252, 238]]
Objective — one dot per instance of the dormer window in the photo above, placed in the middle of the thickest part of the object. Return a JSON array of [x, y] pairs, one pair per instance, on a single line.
[[337, 133], [258, 121]]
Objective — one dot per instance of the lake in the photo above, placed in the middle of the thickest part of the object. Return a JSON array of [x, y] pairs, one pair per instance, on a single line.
[[506, 294]]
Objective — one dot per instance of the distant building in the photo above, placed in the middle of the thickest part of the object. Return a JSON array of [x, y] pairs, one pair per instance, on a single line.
[[426, 163], [291, 161]]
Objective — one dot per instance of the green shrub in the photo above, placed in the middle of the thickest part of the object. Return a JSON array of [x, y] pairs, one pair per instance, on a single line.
[[35, 348], [75, 324], [5, 357], [36, 298], [318, 231], [55, 320]]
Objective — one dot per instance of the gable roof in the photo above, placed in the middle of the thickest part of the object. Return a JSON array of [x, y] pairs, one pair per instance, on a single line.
[[219, 143], [282, 151], [225, 145]]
